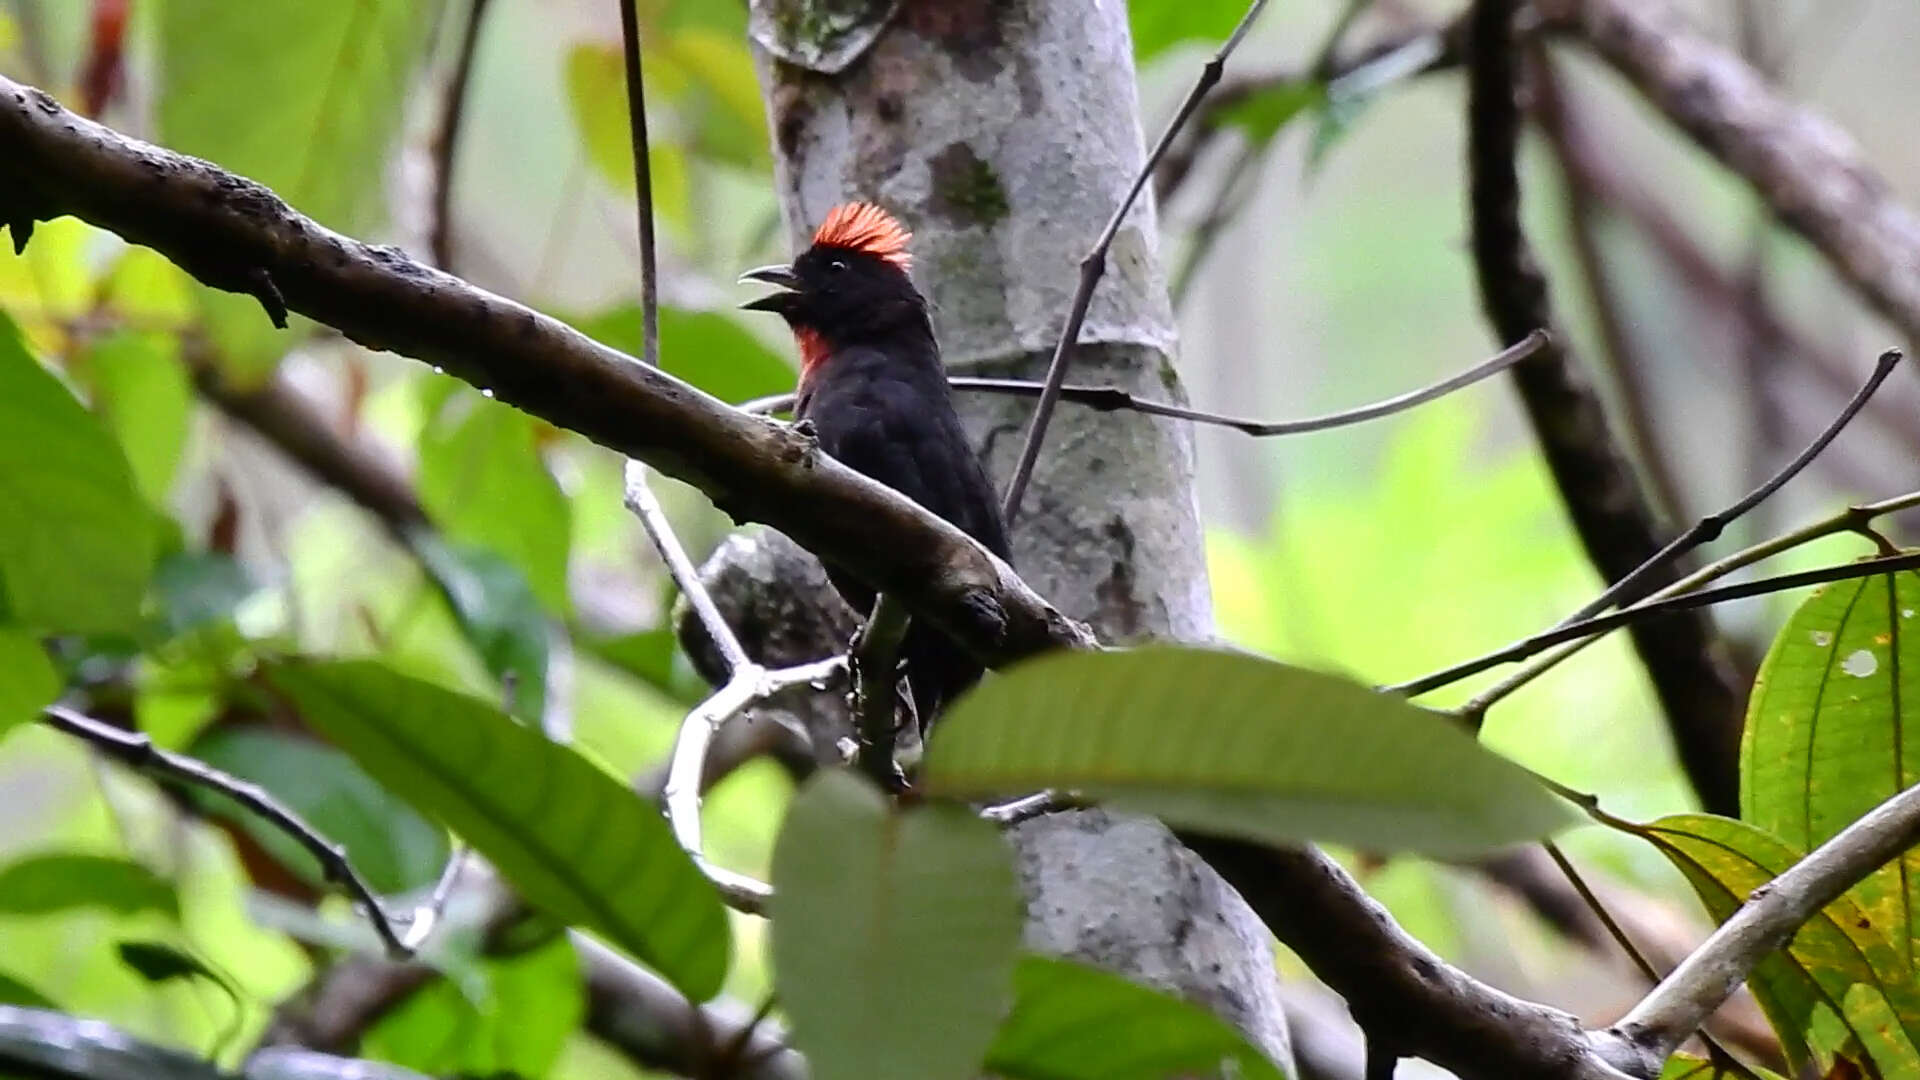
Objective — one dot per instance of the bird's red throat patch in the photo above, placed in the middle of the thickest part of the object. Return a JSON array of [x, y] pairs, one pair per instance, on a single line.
[[864, 227]]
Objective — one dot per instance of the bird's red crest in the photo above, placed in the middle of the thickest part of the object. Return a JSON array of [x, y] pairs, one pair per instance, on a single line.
[[864, 227]]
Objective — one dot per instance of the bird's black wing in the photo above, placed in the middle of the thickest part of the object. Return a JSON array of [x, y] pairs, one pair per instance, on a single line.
[[893, 420]]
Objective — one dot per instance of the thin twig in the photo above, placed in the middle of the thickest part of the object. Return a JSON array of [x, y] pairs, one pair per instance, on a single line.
[[642, 184], [875, 659], [1613, 927], [1114, 399], [1852, 519], [646, 507], [139, 752], [1712, 972], [1095, 264], [1708, 529], [1652, 609], [446, 145]]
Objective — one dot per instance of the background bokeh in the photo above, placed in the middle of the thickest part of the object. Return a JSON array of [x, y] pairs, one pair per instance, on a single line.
[[1339, 276]]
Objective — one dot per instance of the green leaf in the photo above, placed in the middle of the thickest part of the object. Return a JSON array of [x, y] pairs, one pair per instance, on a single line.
[[714, 94], [706, 348], [1725, 861], [44, 884], [1688, 1067], [303, 97], [1073, 1022], [597, 101], [198, 589], [142, 392], [1237, 745], [28, 682], [574, 841], [1827, 738], [499, 615], [15, 992], [76, 539], [894, 933], [511, 1017], [391, 846], [1266, 112], [484, 484], [1161, 24]]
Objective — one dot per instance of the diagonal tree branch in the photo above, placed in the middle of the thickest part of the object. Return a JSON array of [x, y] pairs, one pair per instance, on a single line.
[[236, 235], [1603, 497]]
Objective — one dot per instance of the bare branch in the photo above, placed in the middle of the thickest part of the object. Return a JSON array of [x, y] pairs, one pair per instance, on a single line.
[[137, 751], [1688, 995], [232, 234], [1095, 264], [1633, 586], [1654, 609], [1114, 399]]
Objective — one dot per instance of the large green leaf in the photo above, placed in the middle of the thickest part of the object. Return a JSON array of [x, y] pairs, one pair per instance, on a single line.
[[575, 841], [142, 392], [894, 933], [1237, 745], [1828, 737], [1073, 1022], [709, 349], [76, 539], [305, 97], [1725, 861], [484, 484], [498, 613], [391, 846], [48, 883], [27, 679]]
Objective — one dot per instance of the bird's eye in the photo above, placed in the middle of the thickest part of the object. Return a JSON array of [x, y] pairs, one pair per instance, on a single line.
[[836, 266]]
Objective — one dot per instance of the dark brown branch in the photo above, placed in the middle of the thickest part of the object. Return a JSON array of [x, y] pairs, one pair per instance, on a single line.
[[1603, 497], [1094, 265], [230, 232], [446, 144], [1393, 983]]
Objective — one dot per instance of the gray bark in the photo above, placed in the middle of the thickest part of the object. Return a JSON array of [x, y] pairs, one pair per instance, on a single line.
[[1003, 132]]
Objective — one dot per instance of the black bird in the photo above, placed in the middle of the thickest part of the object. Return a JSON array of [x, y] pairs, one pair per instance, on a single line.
[[875, 391]]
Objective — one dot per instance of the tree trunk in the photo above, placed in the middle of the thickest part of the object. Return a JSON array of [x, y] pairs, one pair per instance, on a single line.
[[1003, 132]]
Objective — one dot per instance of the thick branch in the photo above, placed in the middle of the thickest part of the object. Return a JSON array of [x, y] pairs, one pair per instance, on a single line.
[[1394, 984], [1603, 497], [235, 235]]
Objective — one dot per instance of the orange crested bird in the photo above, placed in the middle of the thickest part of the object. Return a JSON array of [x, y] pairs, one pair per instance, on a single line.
[[875, 391]]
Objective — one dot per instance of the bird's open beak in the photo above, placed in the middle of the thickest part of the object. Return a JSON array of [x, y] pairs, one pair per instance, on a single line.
[[773, 275]]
